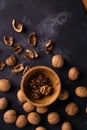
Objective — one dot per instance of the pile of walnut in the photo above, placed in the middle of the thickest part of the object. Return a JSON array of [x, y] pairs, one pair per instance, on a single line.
[[34, 113], [40, 86]]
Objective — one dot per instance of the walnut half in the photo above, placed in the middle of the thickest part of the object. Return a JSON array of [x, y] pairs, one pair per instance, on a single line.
[[17, 26]]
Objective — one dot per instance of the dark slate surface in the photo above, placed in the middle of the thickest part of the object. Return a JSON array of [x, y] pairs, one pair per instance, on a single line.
[[65, 22]]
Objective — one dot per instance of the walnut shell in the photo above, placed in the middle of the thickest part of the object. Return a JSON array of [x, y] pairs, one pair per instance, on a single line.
[[41, 110], [28, 107], [73, 73], [8, 40], [17, 26], [71, 109], [5, 85], [53, 118], [32, 40], [81, 91], [64, 95], [40, 128], [20, 96], [57, 61], [3, 103], [34, 118], [11, 61], [48, 46], [2, 65], [66, 126], [21, 121], [10, 116]]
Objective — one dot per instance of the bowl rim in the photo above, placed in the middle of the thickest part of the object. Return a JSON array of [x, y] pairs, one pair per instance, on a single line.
[[24, 77]]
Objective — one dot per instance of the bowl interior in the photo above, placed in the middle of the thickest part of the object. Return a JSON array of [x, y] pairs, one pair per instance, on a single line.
[[54, 78]]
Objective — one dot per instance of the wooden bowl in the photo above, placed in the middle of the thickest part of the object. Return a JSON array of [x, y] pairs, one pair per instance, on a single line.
[[54, 78]]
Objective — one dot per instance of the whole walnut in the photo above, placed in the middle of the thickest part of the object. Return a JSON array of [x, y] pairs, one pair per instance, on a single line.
[[28, 107], [11, 61], [53, 118], [3, 103], [57, 61], [5, 85], [73, 73], [41, 110], [34, 118], [10, 116], [64, 95], [66, 126], [21, 121], [71, 109], [40, 128], [20, 96], [81, 91]]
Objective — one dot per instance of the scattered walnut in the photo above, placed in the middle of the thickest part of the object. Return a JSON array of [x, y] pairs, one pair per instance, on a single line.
[[57, 61], [53, 118], [66, 126], [5, 85], [81, 91], [21, 121], [45, 90], [8, 40], [73, 73], [11, 61], [34, 118], [28, 107], [30, 54], [17, 26], [85, 3], [40, 128], [64, 95], [27, 68], [86, 110], [2, 65], [41, 110], [10, 116], [17, 48], [32, 40], [71, 109], [48, 46], [20, 96], [3, 103], [18, 68]]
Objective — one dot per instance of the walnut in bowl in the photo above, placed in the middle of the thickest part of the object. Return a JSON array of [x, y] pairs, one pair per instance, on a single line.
[[44, 90]]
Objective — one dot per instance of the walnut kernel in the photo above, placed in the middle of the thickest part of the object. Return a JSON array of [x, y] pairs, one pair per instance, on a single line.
[[18, 68], [17, 48], [11, 61]]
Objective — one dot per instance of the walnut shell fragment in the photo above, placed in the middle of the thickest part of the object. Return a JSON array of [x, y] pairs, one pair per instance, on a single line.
[[48, 46], [17, 26], [32, 40], [11, 61], [25, 70], [2, 65], [17, 48], [30, 54], [8, 40], [18, 68]]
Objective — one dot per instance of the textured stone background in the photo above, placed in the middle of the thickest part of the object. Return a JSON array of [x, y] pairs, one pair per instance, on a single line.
[[65, 22]]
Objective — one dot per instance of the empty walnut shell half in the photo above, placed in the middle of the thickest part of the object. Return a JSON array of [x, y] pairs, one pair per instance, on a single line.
[[8, 40], [17, 48], [32, 40], [30, 54], [17, 26], [18, 68], [11, 61], [25, 70], [2, 65], [48, 46]]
